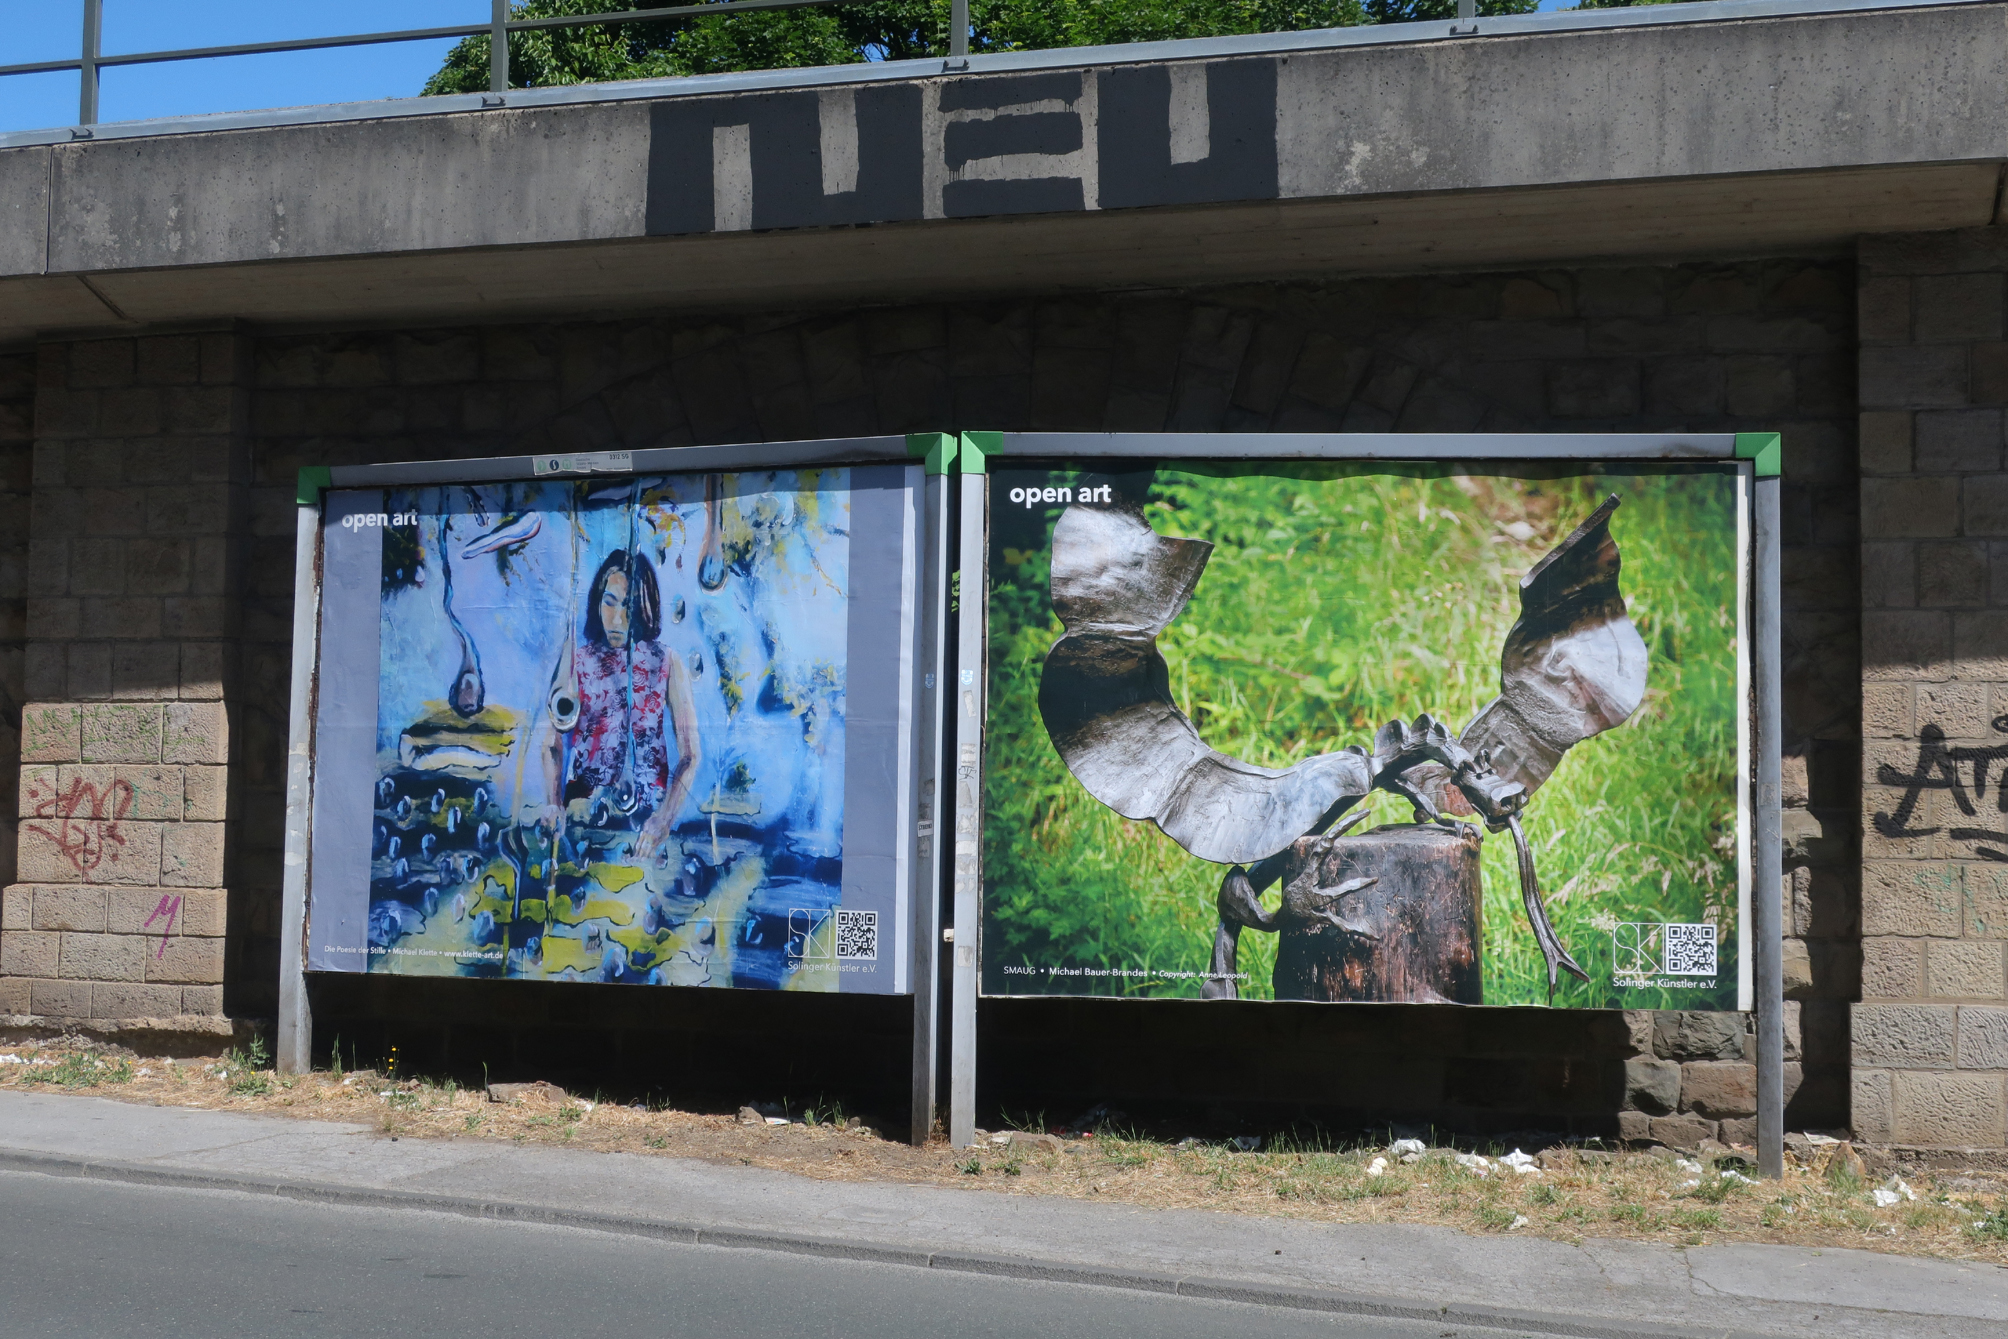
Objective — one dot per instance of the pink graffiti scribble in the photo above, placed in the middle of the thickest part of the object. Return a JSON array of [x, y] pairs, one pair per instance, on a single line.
[[86, 834], [170, 906]]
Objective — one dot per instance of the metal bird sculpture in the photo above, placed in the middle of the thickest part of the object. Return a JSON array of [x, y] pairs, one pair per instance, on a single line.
[[1572, 666]]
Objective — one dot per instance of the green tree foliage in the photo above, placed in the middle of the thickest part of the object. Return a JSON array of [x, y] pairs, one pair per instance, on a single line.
[[883, 30], [1414, 11]]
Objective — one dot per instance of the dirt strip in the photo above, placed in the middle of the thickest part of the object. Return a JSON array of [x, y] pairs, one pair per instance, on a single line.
[[1563, 1193]]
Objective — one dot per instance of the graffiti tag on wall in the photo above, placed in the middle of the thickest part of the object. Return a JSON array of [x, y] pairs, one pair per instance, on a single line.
[[1960, 769], [83, 820], [170, 907]]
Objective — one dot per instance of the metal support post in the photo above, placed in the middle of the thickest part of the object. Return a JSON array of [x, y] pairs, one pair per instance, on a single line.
[[958, 28], [936, 560], [1767, 852], [296, 1020], [87, 73], [498, 47], [973, 527]]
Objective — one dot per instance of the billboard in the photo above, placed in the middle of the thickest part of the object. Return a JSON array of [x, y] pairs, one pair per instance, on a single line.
[[1444, 733], [649, 729]]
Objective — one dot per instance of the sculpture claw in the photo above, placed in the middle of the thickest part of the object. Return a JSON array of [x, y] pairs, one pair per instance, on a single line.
[[1333, 915], [1239, 906], [1351, 821], [1552, 949]]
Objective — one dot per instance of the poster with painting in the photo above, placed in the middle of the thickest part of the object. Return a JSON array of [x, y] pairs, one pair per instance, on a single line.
[[646, 730], [1432, 733]]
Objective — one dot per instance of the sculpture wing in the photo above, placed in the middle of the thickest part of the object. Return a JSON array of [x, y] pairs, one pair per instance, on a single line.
[[1105, 695], [1573, 665]]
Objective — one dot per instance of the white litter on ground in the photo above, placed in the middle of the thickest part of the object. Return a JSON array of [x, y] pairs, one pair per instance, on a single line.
[[1893, 1191]]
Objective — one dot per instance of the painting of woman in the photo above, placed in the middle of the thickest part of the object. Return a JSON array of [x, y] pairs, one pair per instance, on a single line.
[[632, 753]]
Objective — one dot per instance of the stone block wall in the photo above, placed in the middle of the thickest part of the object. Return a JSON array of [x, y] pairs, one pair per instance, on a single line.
[[123, 804], [1756, 345], [1693, 1076], [17, 442], [1931, 1034], [120, 914]]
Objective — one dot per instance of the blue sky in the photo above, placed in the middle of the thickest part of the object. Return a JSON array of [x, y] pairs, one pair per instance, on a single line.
[[38, 30]]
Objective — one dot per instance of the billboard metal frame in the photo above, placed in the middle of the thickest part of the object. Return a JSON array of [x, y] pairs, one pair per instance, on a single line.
[[934, 452], [949, 718], [1759, 455]]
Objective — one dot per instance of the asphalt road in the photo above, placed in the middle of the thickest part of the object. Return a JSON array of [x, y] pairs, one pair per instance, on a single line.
[[97, 1258]]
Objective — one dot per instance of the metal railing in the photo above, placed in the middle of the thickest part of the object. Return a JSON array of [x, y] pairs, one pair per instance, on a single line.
[[91, 58]]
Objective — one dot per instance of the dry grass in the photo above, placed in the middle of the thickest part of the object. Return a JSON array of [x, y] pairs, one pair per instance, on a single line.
[[1576, 1194]]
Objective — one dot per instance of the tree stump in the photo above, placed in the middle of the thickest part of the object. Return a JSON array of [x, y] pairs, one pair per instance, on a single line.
[[1412, 935]]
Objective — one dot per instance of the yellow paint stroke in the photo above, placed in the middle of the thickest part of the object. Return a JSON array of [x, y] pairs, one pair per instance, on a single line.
[[492, 720], [614, 878], [808, 503], [438, 950], [638, 940], [498, 891], [596, 909], [562, 951], [727, 909]]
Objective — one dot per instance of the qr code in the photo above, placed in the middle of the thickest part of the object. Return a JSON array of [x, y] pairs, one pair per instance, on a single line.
[[857, 934], [1689, 950]]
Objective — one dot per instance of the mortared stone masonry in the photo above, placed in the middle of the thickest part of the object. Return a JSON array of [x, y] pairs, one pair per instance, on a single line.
[[144, 645], [1930, 1036], [116, 914]]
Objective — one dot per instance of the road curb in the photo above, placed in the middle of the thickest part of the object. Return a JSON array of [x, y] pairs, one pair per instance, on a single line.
[[1029, 1268]]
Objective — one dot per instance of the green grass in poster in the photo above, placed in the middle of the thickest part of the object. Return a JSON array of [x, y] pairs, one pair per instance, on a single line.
[[1338, 597]]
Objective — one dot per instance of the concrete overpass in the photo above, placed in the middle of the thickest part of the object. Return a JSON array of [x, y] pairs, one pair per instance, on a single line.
[[1677, 130]]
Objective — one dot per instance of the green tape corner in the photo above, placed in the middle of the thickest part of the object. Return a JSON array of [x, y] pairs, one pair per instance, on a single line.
[[314, 480], [1765, 448], [935, 449], [977, 448]]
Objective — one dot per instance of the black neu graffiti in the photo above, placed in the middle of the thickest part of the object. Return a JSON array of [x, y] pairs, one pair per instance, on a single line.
[[1939, 767], [983, 145]]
